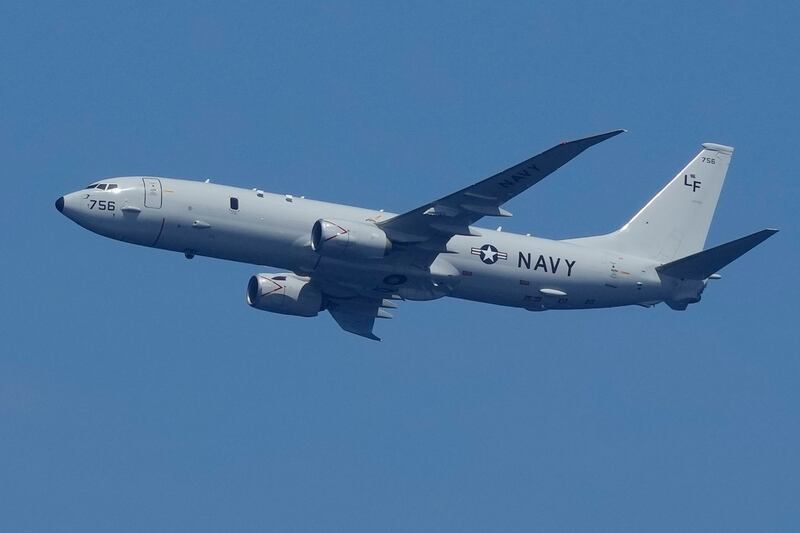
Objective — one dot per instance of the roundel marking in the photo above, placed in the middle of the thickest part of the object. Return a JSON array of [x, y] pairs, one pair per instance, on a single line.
[[489, 254]]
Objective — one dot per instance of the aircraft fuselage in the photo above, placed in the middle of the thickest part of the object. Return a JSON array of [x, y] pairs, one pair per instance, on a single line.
[[251, 226]]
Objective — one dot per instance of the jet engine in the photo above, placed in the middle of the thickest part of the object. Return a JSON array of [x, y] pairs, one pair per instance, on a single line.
[[349, 240], [286, 293]]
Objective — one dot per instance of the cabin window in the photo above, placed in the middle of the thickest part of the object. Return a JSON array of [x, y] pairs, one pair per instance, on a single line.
[[234, 203]]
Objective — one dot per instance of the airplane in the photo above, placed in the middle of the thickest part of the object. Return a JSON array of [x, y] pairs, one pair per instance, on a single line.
[[357, 263]]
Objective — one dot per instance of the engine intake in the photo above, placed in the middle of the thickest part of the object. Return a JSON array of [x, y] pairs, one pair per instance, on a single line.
[[349, 240], [286, 293]]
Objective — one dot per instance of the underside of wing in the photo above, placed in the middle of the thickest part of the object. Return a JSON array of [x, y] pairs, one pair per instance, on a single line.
[[437, 221], [357, 315]]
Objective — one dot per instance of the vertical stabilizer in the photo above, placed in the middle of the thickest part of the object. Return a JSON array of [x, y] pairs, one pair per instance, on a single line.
[[675, 222]]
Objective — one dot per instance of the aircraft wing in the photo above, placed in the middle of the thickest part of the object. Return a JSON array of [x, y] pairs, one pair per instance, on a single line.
[[452, 215], [357, 315]]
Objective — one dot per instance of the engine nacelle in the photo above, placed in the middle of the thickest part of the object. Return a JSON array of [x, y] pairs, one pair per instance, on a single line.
[[349, 240], [284, 293]]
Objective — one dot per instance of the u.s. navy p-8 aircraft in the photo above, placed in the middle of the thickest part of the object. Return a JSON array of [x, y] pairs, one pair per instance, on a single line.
[[357, 263]]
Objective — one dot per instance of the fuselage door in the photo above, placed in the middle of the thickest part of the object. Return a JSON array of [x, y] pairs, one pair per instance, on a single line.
[[152, 192]]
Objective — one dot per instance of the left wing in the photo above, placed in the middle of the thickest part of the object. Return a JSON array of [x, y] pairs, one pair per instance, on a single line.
[[452, 215], [357, 315]]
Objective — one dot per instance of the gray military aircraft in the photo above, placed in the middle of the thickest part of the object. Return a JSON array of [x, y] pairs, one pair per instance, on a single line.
[[357, 263]]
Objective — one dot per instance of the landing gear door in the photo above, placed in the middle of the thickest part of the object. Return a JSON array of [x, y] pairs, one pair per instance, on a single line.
[[152, 192]]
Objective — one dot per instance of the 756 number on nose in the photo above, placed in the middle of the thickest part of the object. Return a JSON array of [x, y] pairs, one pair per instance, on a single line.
[[102, 205]]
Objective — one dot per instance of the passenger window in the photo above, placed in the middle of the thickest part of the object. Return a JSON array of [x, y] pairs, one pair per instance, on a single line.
[[112, 186], [102, 186], [234, 203]]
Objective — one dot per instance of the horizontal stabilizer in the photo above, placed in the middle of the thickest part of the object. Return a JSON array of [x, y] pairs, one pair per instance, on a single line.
[[703, 264]]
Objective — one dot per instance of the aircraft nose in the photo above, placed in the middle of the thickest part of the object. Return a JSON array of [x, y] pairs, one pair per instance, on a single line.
[[60, 204]]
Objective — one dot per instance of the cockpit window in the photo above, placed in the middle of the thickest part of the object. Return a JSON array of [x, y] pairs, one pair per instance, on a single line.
[[102, 186]]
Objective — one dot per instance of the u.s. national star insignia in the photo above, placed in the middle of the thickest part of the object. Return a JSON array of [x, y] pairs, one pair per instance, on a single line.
[[489, 254]]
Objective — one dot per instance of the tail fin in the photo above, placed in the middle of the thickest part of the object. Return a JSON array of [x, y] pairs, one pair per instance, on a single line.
[[703, 264], [675, 222]]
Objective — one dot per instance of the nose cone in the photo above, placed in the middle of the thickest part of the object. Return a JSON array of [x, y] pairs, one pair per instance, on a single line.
[[60, 204]]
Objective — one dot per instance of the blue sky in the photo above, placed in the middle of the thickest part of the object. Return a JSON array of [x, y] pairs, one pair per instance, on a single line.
[[139, 392]]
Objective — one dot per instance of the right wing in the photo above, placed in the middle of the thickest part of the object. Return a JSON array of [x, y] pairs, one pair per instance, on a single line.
[[419, 235], [436, 222]]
